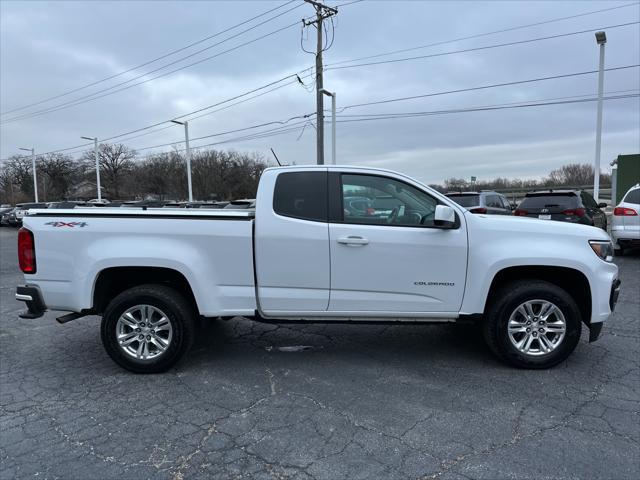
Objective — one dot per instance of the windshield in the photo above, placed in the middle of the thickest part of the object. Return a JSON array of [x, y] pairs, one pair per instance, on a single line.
[[465, 200]]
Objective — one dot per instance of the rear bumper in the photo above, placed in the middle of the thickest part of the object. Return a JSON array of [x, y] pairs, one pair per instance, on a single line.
[[32, 296], [625, 237]]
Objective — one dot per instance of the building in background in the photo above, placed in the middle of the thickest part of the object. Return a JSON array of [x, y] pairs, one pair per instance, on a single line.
[[624, 175]]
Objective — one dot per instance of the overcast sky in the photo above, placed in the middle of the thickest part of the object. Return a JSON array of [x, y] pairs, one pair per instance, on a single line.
[[51, 48]]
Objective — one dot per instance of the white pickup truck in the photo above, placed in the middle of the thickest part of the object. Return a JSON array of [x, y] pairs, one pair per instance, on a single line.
[[325, 244]]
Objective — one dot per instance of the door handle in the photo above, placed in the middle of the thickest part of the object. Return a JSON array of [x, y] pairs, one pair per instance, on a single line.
[[353, 240]]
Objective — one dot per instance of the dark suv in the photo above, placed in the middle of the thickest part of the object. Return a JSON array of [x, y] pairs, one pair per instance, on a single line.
[[482, 202], [575, 206]]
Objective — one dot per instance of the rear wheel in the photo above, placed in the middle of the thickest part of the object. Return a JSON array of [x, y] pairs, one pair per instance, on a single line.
[[532, 324], [148, 328]]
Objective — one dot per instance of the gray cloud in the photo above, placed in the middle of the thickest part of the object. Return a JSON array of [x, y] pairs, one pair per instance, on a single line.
[[50, 47]]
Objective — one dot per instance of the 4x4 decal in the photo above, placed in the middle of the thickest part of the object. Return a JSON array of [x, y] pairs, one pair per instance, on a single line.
[[67, 224]]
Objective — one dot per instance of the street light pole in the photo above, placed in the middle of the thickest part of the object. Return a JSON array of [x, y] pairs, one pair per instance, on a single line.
[[33, 167], [95, 155], [188, 155], [333, 124], [601, 39]]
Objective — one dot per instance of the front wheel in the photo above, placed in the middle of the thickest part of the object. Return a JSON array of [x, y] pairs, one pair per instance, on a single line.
[[148, 328], [532, 324]]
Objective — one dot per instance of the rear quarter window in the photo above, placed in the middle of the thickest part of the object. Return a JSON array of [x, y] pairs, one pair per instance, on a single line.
[[633, 196], [301, 195], [466, 200]]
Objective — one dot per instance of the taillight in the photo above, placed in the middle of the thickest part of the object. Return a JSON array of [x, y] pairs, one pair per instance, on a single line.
[[478, 210], [26, 251], [520, 213], [578, 212], [624, 212], [371, 211]]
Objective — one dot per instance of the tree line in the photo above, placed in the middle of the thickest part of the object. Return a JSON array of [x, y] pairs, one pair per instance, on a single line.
[[571, 175], [216, 175]]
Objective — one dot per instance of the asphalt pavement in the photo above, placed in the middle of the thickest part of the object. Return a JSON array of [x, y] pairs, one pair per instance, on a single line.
[[315, 402]]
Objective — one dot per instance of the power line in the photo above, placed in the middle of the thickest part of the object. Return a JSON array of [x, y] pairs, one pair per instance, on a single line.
[[392, 100], [219, 134], [612, 92], [95, 96], [87, 98], [479, 35], [148, 129], [173, 52], [295, 126], [486, 47], [483, 87], [388, 116]]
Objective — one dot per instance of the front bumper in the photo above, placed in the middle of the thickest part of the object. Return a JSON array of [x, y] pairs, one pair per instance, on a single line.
[[596, 328], [615, 293], [31, 295]]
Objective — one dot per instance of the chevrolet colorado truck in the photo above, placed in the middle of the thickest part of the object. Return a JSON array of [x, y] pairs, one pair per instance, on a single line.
[[307, 255]]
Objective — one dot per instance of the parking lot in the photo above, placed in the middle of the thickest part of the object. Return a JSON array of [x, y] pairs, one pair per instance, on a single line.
[[316, 402]]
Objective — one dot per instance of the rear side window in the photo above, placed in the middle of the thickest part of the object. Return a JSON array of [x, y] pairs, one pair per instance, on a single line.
[[542, 201], [493, 201], [588, 200], [466, 200], [301, 195], [633, 196]]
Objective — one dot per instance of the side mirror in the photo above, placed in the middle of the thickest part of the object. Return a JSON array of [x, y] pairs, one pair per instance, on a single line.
[[602, 205], [445, 217]]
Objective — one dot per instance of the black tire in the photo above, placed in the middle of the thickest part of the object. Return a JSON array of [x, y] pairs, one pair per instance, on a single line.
[[618, 252], [177, 310], [505, 301]]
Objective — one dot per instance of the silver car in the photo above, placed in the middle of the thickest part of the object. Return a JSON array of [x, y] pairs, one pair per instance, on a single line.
[[625, 221]]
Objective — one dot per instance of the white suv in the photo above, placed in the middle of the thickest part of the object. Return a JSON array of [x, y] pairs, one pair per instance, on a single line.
[[625, 225]]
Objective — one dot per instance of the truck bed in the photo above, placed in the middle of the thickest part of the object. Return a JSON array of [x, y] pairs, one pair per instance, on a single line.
[[212, 249]]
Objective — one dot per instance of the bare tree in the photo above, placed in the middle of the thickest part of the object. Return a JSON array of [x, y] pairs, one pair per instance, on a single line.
[[17, 175], [59, 173], [576, 174], [116, 162]]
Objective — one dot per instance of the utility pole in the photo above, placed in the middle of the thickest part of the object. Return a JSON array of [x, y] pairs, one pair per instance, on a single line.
[[601, 39], [33, 167], [322, 12], [333, 123], [97, 160], [187, 154]]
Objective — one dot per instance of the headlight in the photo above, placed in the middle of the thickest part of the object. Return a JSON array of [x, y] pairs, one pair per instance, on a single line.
[[602, 248]]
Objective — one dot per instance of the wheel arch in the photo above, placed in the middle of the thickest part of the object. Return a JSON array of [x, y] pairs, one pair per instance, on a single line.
[[573, 281], [114, 280]]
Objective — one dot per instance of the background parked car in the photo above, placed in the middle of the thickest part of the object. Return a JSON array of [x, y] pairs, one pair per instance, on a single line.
[[575, 206], [15, 217], [215, 205], [625, 222], [143, 204], [490, 202], [65, 204], [4, 215], [242, 204]]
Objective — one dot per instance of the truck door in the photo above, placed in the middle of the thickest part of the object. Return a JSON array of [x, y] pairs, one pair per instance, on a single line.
[[391, 258], [292, 242]]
